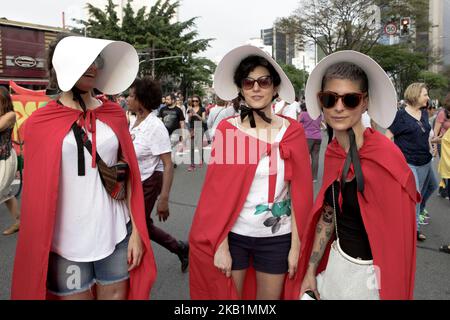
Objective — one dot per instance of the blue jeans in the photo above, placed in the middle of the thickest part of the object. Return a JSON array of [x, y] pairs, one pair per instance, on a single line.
[[426, 184], [67, 277]]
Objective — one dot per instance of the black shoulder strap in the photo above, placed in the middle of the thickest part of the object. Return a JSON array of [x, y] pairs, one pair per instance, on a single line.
[[83, 138]]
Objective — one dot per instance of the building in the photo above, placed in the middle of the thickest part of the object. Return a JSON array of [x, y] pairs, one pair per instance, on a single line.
[[279, 42], [23, 48], [439, 34], [289, 49]]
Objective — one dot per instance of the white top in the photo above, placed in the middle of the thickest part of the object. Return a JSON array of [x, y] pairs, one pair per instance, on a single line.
[[290, 111], [254, 214], [89, 223], [150, 140]]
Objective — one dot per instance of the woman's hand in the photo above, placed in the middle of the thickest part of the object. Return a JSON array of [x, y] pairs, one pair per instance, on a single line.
[[294, 254], [222, 259], [437, 139], [135, 250], [309, 284]]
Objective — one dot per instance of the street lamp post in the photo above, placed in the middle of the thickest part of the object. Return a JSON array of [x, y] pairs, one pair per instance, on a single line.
[[153, 60]]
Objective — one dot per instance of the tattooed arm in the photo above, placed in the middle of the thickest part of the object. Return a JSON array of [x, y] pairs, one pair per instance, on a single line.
[[324, 231]]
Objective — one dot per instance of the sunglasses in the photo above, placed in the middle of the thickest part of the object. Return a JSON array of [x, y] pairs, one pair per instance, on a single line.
[[195, 101], [263, 82], [329, 99]]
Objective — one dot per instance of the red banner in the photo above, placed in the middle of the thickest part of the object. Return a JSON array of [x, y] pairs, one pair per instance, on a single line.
[[24, 106]]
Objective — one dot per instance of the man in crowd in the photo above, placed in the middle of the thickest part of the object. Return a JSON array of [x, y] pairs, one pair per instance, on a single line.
[[173, 119]]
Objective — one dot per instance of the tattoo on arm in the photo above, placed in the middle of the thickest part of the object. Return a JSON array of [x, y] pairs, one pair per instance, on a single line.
[[329, 232], [327, 215], [315, 258], [319, 228], [324, 231]]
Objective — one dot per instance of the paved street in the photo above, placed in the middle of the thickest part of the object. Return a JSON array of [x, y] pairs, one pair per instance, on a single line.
[[432, 278]]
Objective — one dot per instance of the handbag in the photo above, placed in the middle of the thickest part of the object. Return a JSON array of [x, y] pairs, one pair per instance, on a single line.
[[113, 178], [346, 278]]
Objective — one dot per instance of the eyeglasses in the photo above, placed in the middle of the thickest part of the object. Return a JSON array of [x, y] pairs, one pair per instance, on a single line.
[[263, 82], [99, 62], [329, 99]]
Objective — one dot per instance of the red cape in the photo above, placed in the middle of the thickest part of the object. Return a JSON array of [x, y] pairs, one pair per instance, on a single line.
[[45, 131], [388, 209], [224, 193]]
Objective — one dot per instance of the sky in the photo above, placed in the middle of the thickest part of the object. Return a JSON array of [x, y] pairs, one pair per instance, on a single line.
[[230, 22]]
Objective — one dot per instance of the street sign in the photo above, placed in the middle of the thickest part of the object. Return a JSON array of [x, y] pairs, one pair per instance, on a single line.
[[390, 29]]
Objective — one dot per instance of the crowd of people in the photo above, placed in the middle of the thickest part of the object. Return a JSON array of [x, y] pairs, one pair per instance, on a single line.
[[90, 190]]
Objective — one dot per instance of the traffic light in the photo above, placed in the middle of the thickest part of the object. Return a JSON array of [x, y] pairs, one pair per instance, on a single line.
[[405, 24], [185, 58]]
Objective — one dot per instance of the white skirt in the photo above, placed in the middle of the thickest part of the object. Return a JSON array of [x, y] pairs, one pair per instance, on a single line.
[[8, 170], [347, 278]]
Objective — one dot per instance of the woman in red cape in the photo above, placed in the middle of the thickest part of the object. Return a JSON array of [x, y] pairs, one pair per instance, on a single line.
[[38, 269], [361, 236], [244, 240]]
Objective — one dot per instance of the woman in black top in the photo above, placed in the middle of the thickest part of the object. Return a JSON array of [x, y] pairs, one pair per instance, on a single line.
[[8, 159], [196, 116], [411, 133], [359, 241]]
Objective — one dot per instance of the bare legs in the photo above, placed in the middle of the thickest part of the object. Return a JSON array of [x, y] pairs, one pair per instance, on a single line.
[[116, 291], [268, 286], [13, 207]]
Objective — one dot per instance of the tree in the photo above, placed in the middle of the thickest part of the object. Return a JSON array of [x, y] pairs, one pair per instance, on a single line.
[[334, 24], [436, 83], [433, 80], [402, 65], [349, 24], [297, 77], [155, 37]]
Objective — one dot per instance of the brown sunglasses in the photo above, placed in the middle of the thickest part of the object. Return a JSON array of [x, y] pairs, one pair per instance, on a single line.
[[328, 99], [263, 82]]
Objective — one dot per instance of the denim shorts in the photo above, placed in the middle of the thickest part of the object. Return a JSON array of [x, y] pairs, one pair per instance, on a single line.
[[269, 255], [67, 277]]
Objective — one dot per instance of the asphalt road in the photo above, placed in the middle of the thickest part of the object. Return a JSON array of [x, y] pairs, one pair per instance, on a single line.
[[432, 276]]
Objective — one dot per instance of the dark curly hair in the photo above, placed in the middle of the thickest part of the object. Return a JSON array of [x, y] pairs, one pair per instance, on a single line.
[[148, 92], [6, 104], [249, 64]]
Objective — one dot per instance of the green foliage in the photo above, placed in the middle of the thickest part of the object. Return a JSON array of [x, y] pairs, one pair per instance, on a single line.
[[433, 80], [437, 84], [402, 65], [297, 77], [154, 34]]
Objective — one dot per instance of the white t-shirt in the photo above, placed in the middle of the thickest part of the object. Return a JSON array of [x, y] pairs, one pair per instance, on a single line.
[[292, 110], [254, 214], [150, 140], [89, 223]]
